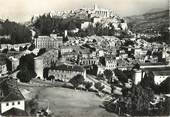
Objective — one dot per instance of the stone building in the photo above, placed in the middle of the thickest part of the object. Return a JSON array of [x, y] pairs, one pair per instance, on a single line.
[[45, 61], [110, 63], [66, 49], [14, 63], [14, 46], [66, 72], [137, 76], [39, 67], [88, 61], [48, 42], [160, 73], [99, 12]]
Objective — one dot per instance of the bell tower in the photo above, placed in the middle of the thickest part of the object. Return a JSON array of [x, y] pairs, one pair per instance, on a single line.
[[95, 5]]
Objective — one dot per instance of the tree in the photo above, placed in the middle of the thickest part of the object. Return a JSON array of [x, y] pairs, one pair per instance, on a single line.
[[102, 60], [65, 39], [121, 76], [165, 86], [128, 42], [41, 51], [21, 48], [24, 75], [77, 80], [108, 74], [90, 30], [5, 50], [93, 70], [32, 47], [99, 86], [45, 72], [88, 85], [148, 81], [98, 29], [12, 49], [136, 66], [45, 24], [51, 78], [32, 106], [100, 77], [128, 73], [135, 101], [71, 25], [9, 64], [166, 107], [28, 62], [141, 100], [18, 33]]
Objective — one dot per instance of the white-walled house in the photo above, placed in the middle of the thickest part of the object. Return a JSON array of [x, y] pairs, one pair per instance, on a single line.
[[10, 103], [10, 96]]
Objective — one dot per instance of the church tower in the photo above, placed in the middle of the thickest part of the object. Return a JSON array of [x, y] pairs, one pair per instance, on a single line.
[[95, 5]]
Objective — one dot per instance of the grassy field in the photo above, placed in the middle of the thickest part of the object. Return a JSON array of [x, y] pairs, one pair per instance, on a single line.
[[65, 102]]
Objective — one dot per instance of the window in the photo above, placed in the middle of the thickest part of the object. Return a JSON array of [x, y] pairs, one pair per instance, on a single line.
[[13, 103], [7, 104], [18, 102]]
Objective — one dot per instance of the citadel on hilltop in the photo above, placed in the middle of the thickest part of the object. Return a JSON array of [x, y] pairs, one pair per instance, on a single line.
[[91, 12]]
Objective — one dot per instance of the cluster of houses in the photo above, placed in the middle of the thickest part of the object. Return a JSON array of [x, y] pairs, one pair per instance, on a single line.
[[105, 52]]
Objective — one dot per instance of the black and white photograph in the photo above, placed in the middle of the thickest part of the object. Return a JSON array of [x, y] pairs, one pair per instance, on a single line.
[[84, 58]]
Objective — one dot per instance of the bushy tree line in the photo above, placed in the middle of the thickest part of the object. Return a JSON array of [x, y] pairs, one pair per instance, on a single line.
[[135, 101], [100, 30], [18, 32], [46, 24], [163, 38], [78, 80]]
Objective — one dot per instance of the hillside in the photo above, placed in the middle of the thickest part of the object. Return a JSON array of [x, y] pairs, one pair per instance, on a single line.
[[18, 33], [149, 22]]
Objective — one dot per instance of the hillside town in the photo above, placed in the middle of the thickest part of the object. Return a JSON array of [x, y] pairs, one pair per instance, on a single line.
[[98, 58]]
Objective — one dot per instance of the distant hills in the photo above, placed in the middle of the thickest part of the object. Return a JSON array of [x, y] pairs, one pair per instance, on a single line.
[[149, 22]]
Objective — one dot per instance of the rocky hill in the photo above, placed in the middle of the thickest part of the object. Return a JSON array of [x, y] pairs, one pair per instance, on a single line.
[[149, 22]]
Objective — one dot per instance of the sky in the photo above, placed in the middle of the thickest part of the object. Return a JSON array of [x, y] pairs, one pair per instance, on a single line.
[[23, 10]]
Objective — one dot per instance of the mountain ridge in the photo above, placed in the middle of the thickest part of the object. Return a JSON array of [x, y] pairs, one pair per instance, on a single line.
[[149, 22]]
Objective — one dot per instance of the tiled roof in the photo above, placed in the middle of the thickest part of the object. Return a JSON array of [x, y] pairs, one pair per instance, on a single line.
[[10, 90], [69, 68], [13, 96], [157, 69], [162, 73]]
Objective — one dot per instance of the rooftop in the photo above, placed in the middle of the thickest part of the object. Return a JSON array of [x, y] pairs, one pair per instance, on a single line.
[[162, 73], [64, 67], [10, 90], [50, 37], [158, 69]]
